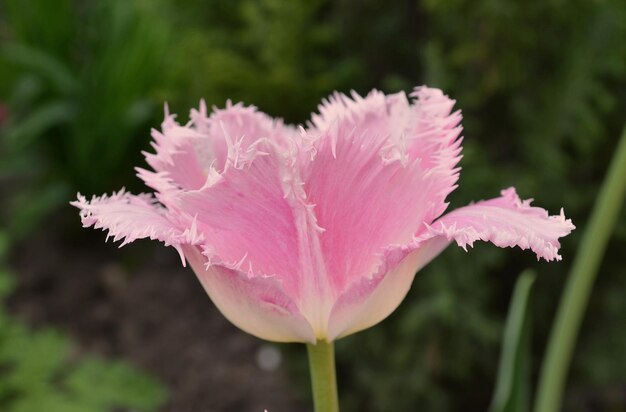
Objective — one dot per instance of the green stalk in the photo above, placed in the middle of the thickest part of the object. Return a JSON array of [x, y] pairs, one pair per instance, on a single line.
[[580, 283], [323, 380]]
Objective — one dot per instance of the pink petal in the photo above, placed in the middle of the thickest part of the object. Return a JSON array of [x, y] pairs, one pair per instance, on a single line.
[[256, 218], [131, 217], [246, 218], [370, 300], [435, 132], [178, 161], [257, 305], [506, 221], [189, 157], [234, 129], [380, 170]]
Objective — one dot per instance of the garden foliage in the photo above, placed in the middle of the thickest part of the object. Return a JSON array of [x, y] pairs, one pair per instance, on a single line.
[[79, 85], [41, 370]]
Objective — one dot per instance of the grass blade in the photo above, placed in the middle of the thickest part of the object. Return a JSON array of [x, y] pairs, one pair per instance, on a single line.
[[511, 393]]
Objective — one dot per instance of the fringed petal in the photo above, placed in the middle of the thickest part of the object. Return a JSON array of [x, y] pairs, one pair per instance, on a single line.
[[434, 131], [506, 221], [130, 217], [234, 129], [191, 156], [368, 193], [256, 219], [178, 161], [246, 218]]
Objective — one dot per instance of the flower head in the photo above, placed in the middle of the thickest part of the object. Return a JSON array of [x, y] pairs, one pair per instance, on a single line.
[[316, 232]]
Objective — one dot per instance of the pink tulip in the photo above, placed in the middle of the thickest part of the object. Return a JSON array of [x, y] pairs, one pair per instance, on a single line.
[[306, 234]]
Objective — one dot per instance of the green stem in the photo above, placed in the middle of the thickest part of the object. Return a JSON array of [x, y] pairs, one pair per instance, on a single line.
[[580, 283], [323, 381]]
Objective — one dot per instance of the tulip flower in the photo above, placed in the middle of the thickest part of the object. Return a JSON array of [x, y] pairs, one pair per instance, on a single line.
[[316, 233], [313, 233]]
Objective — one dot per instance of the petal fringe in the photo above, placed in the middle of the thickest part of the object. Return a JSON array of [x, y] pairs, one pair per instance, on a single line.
[[506, 221], [129, 217]]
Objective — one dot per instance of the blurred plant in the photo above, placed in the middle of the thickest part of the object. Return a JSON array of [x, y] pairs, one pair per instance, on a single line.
[[547, 92], [42, 371], [512, 389], [279, 55], [77, 81], [564, 333]]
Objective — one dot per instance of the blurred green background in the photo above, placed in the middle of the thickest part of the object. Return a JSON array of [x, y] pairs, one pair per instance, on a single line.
[[542, 86]]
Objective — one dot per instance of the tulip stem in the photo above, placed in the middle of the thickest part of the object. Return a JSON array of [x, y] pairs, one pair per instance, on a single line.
[[323, 380], [580, 283]]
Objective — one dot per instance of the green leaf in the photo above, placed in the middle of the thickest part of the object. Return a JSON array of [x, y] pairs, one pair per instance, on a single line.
[[511, 393], [34, 359], [39, 121], [50, 401], [42, 63], [110, 384]]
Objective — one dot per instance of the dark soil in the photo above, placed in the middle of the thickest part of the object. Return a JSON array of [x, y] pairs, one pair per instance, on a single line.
[[140, 304]]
